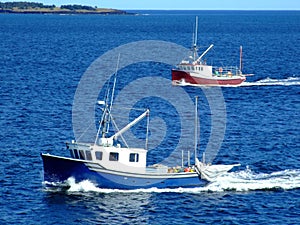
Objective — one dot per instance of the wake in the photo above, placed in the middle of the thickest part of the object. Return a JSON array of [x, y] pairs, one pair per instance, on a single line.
[[241, 181], [290, 81], [249, 181]]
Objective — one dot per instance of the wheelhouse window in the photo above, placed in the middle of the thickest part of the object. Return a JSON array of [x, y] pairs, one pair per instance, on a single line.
[[81, 154], [133, 157], [88, 155], [76, 156], [113, 156], [72, 153], [98, 155]]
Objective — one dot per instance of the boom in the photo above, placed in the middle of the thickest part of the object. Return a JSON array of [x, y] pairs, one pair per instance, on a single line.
[[128, 126], [200, 57]]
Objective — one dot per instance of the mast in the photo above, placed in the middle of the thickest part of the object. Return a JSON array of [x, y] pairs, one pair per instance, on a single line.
[[113, 92], [196, 127], [241, 58], [196, 32], [105, 119], [195, 39], [114, 85], [108, 108], [147, 131]]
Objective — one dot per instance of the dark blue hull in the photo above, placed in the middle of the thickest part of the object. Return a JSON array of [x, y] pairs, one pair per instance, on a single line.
[[59, 169]]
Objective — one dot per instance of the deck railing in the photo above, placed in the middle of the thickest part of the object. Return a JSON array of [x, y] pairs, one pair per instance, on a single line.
[[226, 71]]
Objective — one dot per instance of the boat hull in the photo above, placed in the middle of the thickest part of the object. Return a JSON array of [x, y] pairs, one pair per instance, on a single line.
[[60, 169], [180, 76]]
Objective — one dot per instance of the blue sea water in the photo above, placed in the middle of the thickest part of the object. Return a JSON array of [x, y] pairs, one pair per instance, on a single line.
[[42, 60]]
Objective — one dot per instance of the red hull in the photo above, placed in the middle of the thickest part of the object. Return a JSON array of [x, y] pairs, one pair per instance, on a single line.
[[178, 75]]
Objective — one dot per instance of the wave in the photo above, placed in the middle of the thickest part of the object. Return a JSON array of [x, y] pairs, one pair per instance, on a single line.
[[241, 181], [274, 82]]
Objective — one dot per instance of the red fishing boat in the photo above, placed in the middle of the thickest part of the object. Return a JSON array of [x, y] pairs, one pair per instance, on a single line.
[[195, 71]]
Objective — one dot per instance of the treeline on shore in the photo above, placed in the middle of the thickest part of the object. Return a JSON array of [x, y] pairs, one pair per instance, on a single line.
[[35, 5], [40, 8]]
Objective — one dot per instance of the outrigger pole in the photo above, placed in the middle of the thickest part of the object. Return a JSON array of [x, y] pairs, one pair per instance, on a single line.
[[241, 56], [196, 127]]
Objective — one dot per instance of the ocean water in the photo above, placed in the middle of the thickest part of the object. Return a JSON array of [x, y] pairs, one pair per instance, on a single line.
[[42, 61]]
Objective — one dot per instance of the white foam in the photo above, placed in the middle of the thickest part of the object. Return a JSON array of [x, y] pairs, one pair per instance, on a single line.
[[83, 186], [248, 181], [241, 181], [274, 82]]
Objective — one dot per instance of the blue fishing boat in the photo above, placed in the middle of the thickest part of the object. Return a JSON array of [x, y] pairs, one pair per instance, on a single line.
[[107, 164]]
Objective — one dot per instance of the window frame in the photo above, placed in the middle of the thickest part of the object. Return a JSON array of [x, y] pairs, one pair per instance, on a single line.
[[88, 155], [114, 156], [133, 157], [81, 154], [100, 154], [76, 154]]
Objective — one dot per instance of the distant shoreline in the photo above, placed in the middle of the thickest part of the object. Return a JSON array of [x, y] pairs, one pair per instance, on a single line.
[[40, 8], [65, 11]]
